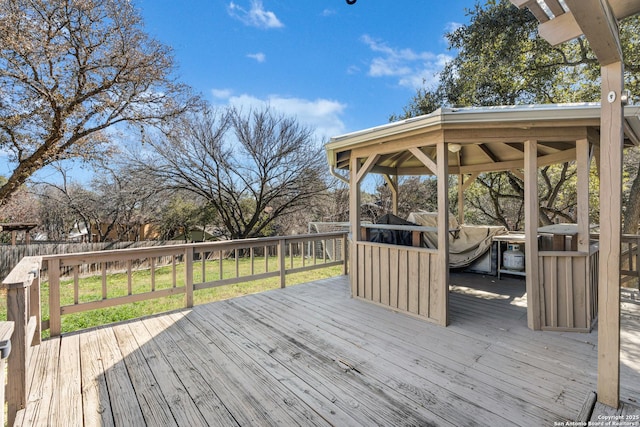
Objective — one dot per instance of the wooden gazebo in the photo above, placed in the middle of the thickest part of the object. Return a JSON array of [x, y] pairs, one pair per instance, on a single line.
[[563, 287], [465, 142], [561, 284]]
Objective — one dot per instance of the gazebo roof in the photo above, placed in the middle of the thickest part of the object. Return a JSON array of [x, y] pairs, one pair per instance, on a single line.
[[481, 139]]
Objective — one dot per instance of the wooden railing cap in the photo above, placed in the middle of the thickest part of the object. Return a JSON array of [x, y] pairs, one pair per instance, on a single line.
[[23, 274]]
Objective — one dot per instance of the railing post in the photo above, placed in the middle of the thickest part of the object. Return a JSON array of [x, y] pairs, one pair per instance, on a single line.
[[22, 277], [188, 276], [282, 253], [53, 270], [345, 257], [35, 309], [6, 331], [17, 367]]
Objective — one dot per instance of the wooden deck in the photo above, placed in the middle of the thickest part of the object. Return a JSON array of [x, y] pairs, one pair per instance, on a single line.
[[295, 357]]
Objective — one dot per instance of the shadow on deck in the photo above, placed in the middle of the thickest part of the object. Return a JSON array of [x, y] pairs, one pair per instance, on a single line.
[[311, 355]]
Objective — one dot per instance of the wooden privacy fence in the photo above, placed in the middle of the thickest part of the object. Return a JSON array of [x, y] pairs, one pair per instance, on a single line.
[[189, 272]]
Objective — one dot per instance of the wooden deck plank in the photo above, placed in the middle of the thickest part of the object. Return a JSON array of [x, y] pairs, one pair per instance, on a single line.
[[154, 407], [311, 355], [184, 410], [44, 382], [246, 350], [437, 400], [124, 403], [68, 410], [198, 386], [276, 399], [369, 401], [236, 388], [486, 385], [401, 327], [324, 405], [96, 405]]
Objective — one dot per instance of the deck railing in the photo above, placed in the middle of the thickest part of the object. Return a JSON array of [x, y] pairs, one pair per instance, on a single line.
[[629, 267], [278, 256]]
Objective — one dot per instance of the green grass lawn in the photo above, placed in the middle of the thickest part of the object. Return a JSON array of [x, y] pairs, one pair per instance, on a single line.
[[90, 289]]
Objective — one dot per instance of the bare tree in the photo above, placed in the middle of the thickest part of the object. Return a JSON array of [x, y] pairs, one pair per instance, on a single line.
[[250, 168], [498, 197], [71, 69], [117, 203]]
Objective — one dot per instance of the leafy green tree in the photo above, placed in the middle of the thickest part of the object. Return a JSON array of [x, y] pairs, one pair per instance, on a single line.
[[70, 70], [501, 61], [180, 216]]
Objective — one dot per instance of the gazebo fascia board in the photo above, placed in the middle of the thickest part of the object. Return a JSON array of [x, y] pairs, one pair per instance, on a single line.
[[492, 138], [511, 124]]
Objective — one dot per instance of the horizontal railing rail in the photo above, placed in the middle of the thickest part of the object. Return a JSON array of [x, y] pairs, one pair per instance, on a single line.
[[190, 269]]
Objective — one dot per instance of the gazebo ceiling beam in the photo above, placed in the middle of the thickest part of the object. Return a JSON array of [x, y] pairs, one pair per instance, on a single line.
[[518, 146], [488, 153], [402, 158], [424, 159]]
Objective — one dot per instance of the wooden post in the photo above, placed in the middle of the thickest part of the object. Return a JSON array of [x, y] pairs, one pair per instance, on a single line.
[[460, 199], [442, 268], [531, 204], [6, 332], [392, 182], [35, 308], [17, 367], [345, 258], [188, 277], [53, 268], [583, 166], [611, 141], [282, 255], [354, 219]]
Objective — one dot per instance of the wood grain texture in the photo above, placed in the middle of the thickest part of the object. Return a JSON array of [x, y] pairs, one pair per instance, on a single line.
[[311, 355]]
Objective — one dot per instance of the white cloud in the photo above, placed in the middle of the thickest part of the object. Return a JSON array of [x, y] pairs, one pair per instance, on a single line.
[[321, 114], [221, 93], [328, 12], [256, 16], [452, 26], [411, 69], [259, 57]]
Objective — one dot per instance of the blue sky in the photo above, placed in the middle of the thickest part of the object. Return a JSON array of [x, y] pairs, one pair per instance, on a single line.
[[338, 68]]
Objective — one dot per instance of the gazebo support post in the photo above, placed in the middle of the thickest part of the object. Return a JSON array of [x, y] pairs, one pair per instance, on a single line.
[[392, 182], [611, 141], [354, 217], [583, 162], [460, 199], [531, 206], [443, 230]]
